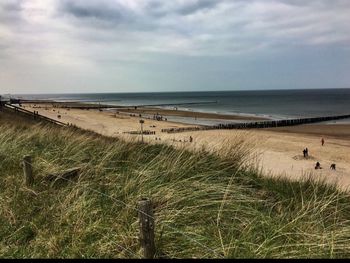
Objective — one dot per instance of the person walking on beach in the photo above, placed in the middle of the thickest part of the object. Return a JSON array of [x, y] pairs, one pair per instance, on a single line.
[[307, 152], [191, 139], [322, 141], [304, 153]]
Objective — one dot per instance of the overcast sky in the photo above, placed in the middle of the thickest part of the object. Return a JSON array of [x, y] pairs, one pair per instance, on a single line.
[[60, 46]]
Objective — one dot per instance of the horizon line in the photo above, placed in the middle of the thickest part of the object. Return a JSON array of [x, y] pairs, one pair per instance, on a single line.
[[185, 91]]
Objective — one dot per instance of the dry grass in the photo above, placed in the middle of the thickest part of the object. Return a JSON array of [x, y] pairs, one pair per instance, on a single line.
[[206, 205]]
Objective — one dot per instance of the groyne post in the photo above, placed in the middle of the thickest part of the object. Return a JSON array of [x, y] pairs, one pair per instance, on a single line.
[[146, 221], [28, 170], [262, 124]]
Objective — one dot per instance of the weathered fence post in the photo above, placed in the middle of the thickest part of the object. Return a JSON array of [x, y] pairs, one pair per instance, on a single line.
[[146, 220], [27, 170]]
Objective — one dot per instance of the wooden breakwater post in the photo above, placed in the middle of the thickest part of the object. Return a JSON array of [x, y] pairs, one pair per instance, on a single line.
[[28, 170], [146, 220]]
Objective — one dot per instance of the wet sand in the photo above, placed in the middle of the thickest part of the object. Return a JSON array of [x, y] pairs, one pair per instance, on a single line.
[[189, 114], [145, 111]]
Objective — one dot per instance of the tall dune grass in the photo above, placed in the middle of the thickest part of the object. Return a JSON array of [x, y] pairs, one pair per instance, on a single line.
[[206, 205]]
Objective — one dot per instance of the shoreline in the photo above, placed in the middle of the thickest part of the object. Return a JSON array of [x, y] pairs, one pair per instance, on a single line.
[[199, 119], [335, 130], [145, 110], [173, 114]]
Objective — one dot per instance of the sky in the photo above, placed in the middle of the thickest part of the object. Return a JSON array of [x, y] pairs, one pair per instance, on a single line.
[[87, 46]]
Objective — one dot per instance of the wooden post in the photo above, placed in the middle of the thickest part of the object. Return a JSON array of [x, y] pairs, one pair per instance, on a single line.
[[142, 122], [146, 220], [27, 170]]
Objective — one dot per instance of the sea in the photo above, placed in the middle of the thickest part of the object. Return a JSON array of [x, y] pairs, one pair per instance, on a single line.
[[272, 104]]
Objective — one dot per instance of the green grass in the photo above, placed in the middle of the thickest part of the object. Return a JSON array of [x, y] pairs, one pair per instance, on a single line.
[[205, 205]]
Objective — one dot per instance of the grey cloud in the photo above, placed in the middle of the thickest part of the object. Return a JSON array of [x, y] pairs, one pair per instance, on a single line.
[[162, 8], [116, 13], [107, 11], [197, 6], [107, 28], [10, 11], [105, 15], [11, 6], [224, 27], [97, 35]]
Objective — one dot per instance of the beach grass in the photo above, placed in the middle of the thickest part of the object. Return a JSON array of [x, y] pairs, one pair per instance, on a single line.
[[206, 205]]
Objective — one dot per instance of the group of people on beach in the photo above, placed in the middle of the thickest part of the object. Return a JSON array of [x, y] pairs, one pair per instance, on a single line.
[[158, 117], [318, 165]]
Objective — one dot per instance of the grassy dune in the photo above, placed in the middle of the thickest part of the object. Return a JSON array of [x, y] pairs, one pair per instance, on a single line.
[[205, 206]]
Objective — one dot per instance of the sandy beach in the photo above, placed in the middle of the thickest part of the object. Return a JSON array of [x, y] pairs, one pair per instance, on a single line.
[[149, 111], [276, 152]]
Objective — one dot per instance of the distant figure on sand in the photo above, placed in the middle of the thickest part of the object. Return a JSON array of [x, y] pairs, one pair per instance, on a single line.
[[332, 166], [318, 166], [191, 139], [306, 152], [322, 141]]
